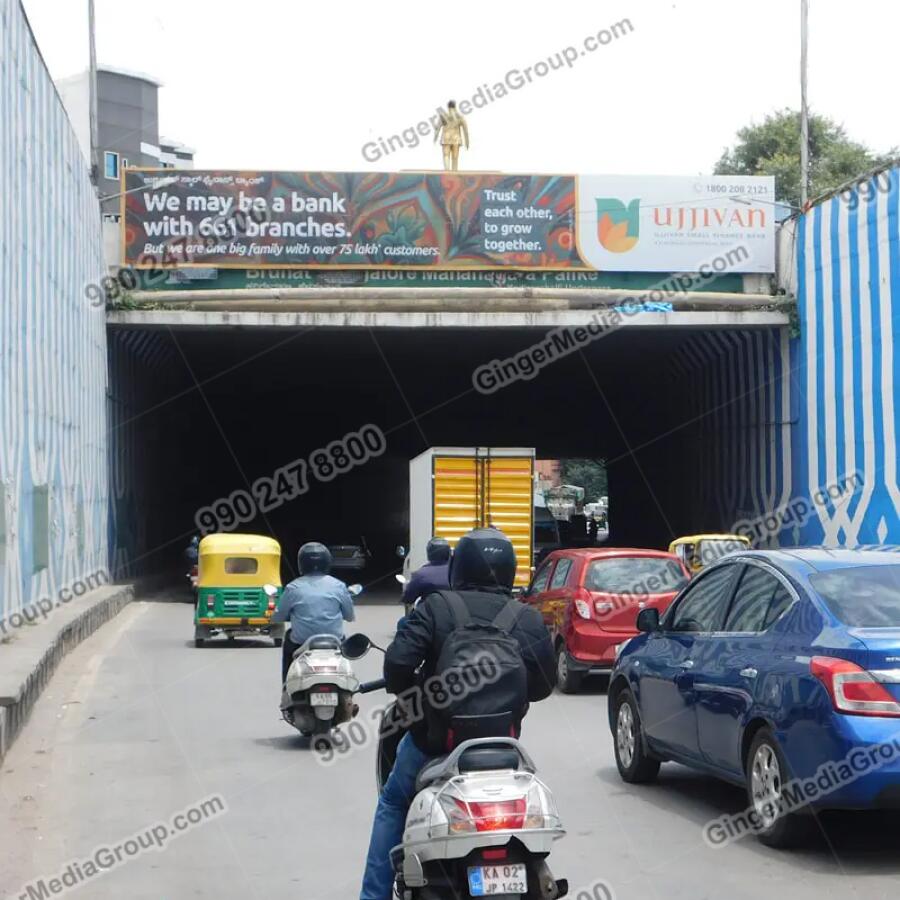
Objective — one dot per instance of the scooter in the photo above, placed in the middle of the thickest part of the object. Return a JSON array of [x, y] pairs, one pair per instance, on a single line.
[[318, 692], [481, 823]]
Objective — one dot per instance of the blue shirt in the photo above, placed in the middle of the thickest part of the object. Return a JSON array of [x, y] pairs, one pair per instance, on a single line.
[[315, 604]]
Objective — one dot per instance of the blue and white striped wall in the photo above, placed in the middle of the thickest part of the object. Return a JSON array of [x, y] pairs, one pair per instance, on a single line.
[[847, 251], [732, 390], [52, 342]]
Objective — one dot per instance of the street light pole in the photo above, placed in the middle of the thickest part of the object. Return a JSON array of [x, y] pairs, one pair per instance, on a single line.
[[804, 109], [92, 87]]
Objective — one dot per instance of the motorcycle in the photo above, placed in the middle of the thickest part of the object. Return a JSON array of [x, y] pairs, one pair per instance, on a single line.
[[318, 692], [481, 823]]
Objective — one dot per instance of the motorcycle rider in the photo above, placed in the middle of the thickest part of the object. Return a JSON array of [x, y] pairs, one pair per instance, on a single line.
[[314, 603], [482, 570], [433, 576]]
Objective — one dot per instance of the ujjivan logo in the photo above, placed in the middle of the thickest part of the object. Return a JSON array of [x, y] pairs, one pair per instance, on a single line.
[[618, 224]]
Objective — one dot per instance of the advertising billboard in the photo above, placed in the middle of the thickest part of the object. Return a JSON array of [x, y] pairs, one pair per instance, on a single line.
[[443, 221]]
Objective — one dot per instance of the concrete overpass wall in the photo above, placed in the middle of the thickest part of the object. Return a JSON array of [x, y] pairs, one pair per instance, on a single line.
[[53, 442], [847, 251]]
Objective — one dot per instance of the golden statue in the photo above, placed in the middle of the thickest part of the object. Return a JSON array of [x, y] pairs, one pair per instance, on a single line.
[[453, 131]]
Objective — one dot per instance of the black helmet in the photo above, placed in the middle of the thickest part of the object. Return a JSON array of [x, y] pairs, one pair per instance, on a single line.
[[314, 557], [483, 558], [438, 551]]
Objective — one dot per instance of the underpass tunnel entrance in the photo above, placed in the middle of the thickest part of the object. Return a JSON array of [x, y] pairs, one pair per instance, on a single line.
[[201, 414]]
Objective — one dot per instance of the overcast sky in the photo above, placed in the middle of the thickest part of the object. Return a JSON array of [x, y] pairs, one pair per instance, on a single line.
[[281, 84]]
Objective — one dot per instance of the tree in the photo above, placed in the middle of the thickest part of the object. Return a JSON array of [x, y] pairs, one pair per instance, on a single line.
[[587, 473], [773, 148]]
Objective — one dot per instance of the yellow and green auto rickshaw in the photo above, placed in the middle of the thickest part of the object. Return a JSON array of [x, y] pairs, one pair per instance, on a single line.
[[238, 586], [699, 550]]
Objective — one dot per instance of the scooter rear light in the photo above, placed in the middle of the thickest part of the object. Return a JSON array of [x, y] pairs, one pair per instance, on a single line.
[[495, 815], [852, 689], [497, 853]]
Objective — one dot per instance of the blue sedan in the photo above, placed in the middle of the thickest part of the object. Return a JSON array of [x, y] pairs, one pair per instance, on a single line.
[[778, 670]]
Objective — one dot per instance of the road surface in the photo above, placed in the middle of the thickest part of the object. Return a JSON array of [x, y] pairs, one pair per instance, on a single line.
[[137, 726]]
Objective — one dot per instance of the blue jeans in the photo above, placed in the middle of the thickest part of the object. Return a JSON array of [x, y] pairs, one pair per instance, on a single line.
[[390, 819]]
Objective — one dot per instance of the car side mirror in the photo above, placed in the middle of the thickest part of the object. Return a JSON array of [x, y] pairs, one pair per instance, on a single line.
[[648, 620], [355, 646], [355, 589]]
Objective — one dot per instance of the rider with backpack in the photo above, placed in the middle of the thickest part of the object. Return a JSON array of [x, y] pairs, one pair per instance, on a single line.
[[473, 634]]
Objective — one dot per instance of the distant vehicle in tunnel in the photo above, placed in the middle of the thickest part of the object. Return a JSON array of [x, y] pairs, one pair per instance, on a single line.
[[238, 587], [776, 670], [350, 557], [699, 550], [590, 599], [546, 534]]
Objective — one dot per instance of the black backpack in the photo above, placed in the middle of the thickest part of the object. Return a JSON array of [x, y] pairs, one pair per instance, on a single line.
[[480, 683]]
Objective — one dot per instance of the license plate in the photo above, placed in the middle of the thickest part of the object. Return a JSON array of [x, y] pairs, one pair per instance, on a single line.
[[485, 881], [318, 699]]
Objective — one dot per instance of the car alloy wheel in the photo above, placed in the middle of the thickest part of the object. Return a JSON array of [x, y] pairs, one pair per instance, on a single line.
[[633, 760], [766, 784], [625, 734]]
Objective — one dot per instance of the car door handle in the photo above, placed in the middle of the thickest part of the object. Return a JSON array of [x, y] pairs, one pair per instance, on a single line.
[[687, 664], [749, 672]]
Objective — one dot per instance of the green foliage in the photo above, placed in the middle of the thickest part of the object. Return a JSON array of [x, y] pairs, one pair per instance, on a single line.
[[773, 148], [587, 473]]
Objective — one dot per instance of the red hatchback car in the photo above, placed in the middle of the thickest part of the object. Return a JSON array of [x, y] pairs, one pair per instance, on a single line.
[[590, 599]]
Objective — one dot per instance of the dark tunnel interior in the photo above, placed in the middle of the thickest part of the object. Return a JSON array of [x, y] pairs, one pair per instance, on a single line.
[[208, 412]]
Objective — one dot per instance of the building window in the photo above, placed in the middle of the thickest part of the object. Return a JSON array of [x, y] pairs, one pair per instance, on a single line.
[[40, 526], [111, 165]]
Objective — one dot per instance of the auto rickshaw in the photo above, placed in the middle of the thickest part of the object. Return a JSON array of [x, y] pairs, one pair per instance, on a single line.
[[699, 550], [238, 586]]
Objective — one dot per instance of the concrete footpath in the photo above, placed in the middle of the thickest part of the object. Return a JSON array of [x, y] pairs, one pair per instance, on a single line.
[[30, 653]]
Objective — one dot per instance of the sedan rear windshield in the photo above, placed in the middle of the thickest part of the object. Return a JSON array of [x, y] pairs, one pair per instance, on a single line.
[[639, 575], [863, 596]]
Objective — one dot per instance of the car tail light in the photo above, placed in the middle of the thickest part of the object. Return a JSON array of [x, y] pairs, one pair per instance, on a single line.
[[583, 609], [852, 689]]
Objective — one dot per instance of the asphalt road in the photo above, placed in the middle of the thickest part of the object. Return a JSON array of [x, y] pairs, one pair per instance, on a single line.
[[137, 725]]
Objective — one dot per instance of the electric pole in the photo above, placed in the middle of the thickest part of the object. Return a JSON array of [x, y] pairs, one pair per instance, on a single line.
[[804, 109]]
